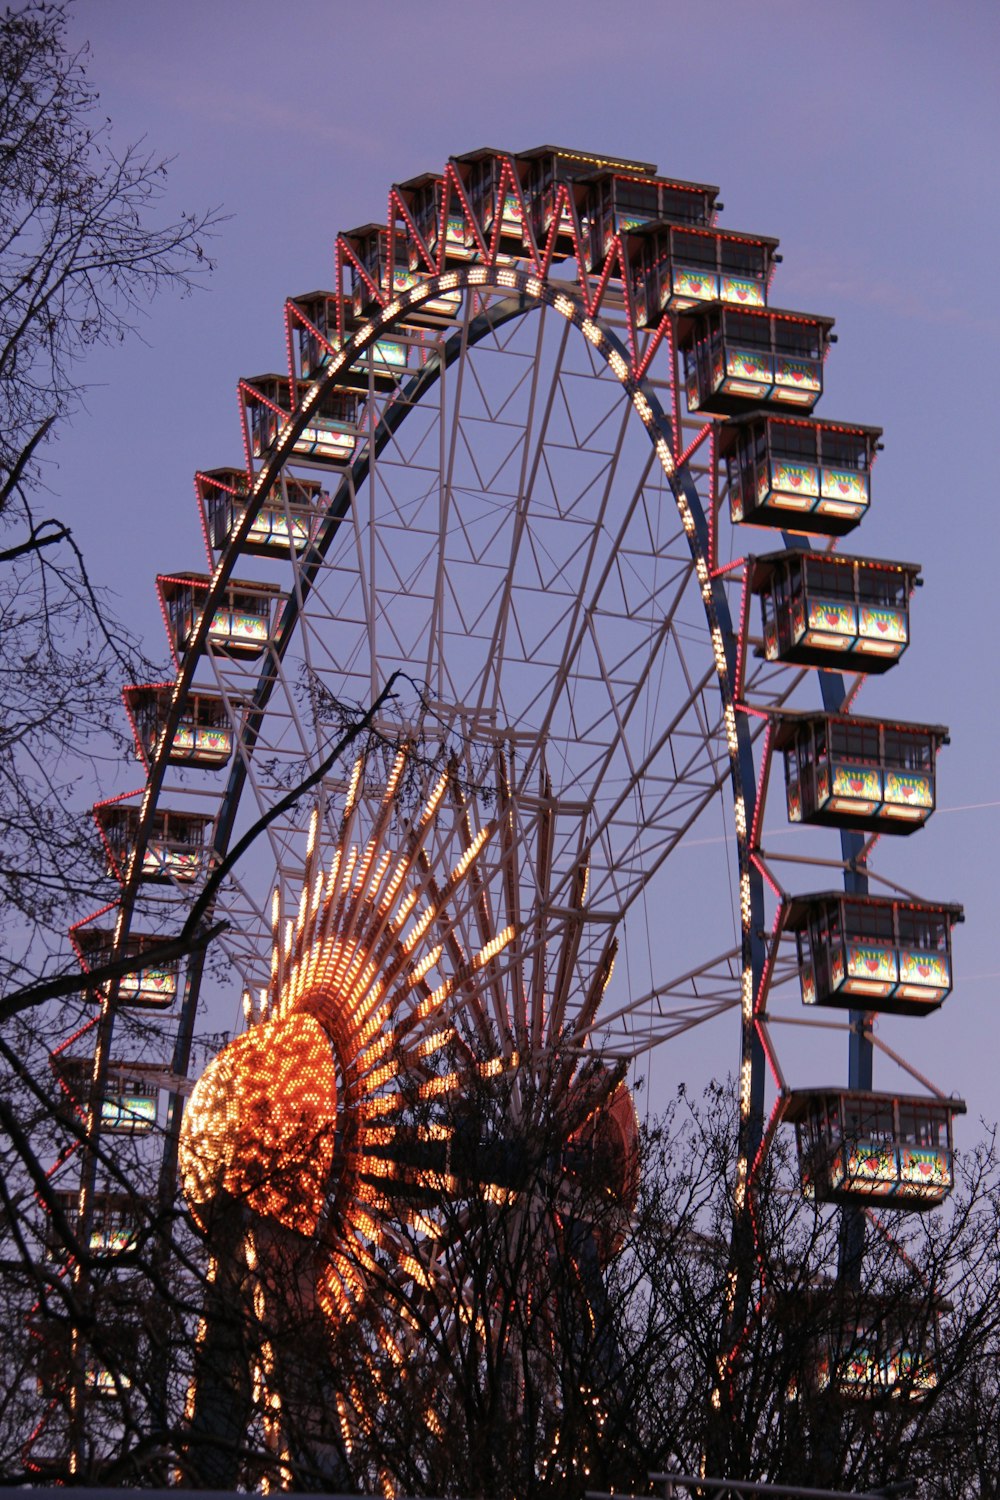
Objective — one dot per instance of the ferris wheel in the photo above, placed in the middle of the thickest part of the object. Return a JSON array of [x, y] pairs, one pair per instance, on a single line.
[[490, 658]]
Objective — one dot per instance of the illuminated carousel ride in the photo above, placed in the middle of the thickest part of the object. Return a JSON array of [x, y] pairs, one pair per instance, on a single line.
[[479, 658]]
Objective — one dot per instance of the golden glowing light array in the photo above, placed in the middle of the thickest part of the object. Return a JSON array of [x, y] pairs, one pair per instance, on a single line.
[[394, 986]]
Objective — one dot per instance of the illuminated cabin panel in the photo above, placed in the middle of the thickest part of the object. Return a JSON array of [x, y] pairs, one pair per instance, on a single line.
[[740, 358], [857, 1147], [823, 609], [873, 952], [383, 364], [370, 244], [798, 474], [286, 523], [614, 203], [176, 850], [674, 266], [867, 1368], [241, 624], [329, 437], [153, 987], [204, 737], [843, 771]]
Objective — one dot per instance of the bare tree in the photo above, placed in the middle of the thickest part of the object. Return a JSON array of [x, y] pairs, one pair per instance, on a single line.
[[81, 256]]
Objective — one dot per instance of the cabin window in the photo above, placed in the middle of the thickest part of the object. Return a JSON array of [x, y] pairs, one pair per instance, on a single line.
[[792, 441], [694, 249], [844, 450], [869, 1119], [923, 1126], [690, 208], [792, 337], [739, 258], [914, 751], [873, 922], [830, 579], [927, 931], [753, 333], [636, 197], [882, 587], [858, 741]]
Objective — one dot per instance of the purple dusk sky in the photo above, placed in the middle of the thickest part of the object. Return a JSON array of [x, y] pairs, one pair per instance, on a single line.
[[862, 134]]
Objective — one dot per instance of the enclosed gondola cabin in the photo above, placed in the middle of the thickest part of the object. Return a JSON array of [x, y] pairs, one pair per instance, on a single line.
[[676, 266], [129, 1101], [371, 245], [548, 169], [381, 365], [176, 850], [424, 197], [329, 437], [241, 626], [819, 607], [798, 473], [482, 176], [151, 987], [872, 952], [204, 736], [865, 1148], [844, 771], [114, 1224], [55, 1352], [738, 358], [286, 522], [862, 1346], [612, 202]]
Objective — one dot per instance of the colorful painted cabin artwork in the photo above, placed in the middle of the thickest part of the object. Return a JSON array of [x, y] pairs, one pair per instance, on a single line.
[[176, 850], [241, 626], [382, 364], [677, 266], [113, 1230], [844, 771], [329, 437], [204, 736], [798, 473], [370, 244], [739, 358], [153, 987], [286, 523], [872, 952], [611, 203], [481, 173], [857, 1147], [818, 607], [424, 197], [103, 1383]]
